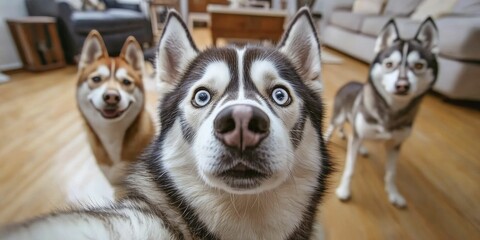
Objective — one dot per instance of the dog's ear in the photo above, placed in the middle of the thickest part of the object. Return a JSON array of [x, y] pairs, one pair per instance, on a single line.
[[427, 34], [93, 49], [301, 45], [175, 50], [133, 54], [387, 36]]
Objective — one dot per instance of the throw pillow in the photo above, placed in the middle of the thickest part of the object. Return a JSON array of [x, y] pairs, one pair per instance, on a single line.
[[368, 6], [95, 5], [401, 7], [433, 8]]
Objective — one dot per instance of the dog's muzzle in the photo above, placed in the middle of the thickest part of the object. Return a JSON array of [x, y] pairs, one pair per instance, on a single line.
[[241, 126], [402, 86]]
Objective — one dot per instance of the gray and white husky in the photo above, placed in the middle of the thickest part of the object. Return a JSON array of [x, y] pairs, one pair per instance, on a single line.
[[385, 107], [240, 153]]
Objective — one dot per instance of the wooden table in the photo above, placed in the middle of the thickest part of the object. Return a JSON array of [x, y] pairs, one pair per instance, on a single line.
[[246, 23], [37, 42]]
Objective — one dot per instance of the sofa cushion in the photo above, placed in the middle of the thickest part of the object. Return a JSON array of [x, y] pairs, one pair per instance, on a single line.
[[470, 7], [459, 37], [401, 7], [373, 25], [433, 8], [368, 6], [111, 20], [348, 20]]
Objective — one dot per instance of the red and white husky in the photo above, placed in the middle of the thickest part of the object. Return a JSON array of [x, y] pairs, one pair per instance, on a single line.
[[111, 99]]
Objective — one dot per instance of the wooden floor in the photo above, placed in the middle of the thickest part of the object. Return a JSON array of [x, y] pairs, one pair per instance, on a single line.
[[45, 162]]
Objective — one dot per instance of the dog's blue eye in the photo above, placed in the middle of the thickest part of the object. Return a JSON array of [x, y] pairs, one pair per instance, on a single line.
[[280, 96], [202, 98]]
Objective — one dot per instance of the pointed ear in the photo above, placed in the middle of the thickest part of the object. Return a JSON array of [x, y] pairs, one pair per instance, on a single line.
[[93, 49], [175, 50], [301, 45], [387, 36], [428, 35], [133, 54]]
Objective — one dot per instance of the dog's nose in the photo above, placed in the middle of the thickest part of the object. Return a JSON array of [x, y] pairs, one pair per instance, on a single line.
[[111, 97], [402, 86], [241, 126]]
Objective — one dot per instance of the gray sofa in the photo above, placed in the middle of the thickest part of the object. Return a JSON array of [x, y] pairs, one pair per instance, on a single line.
[[459, 58], [116, 23]]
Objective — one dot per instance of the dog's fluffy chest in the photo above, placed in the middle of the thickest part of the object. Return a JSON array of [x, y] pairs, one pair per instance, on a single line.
[[111, 136], [377, 131]]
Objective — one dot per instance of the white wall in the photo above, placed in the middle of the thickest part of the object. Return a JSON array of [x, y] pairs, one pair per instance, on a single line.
[[9, 58]]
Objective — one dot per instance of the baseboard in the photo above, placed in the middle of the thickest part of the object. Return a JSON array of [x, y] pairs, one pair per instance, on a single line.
[[4, 78], [10, 66]]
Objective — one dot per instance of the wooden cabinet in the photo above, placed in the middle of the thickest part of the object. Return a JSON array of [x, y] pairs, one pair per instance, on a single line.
[[246, 23], [37, 42], [201, 5]]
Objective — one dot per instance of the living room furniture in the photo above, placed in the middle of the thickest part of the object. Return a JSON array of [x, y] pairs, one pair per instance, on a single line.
[[459, 57], [116, 23], [152, 8], [198, 11], [246, 23], [37, 42]]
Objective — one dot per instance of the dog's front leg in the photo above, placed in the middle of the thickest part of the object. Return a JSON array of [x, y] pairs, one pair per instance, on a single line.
[[391, 168], [343, 190]]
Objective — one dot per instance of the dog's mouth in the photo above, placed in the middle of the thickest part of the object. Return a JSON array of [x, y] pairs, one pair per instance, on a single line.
[[242, 176], [401, 93], [242, 171], [111, 111]]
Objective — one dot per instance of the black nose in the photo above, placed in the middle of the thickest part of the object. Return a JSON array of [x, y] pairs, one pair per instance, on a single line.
[[111, 97], [241, 126], [402, 86]]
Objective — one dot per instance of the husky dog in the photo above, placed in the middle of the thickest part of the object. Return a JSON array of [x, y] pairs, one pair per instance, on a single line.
[[385, 107], [111, 99], [240, 153]]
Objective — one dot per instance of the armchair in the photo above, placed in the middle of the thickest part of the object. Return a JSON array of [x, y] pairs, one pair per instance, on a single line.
[[116, 23]]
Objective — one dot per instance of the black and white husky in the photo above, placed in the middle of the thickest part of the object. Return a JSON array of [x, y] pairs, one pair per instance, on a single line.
[[240, 154], [385, 107]]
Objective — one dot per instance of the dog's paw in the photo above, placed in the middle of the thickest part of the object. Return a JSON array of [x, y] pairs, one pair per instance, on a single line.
[[343, 193], [397, 200], [363, 151]]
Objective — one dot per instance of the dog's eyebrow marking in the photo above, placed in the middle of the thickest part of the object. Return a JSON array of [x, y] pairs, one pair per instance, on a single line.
[[121, 73], [216, 75], [241, 90], [103, 71], [413, 56], [113, 67], [403, 67], [263, 73]]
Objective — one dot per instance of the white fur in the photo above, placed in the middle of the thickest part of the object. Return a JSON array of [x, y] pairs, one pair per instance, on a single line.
[[303, 34], [386, 37], [385, 79], [103, 71], [131, 226], [110, 132], [226, 211], [273, 210], [216, 77], [121, 73]]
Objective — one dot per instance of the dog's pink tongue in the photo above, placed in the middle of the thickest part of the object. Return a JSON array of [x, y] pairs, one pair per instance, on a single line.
[[109, 112]]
